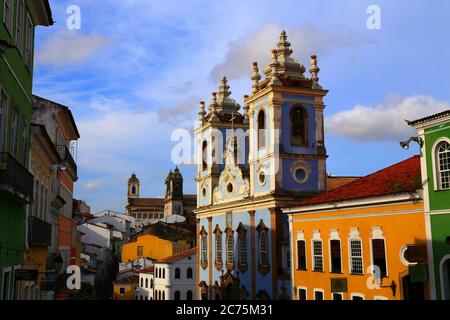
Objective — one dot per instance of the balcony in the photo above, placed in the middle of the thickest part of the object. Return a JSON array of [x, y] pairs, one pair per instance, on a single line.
[[15, 180], [65, 154], [39, 232]]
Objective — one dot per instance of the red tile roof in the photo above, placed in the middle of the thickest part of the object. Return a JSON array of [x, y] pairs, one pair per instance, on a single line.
[[148, 270], [402, 177], [179, 256], [337, 182], [147, 202]]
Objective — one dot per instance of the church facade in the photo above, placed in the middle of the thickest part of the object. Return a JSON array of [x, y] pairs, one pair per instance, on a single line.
[[252, 163], [151, 210]]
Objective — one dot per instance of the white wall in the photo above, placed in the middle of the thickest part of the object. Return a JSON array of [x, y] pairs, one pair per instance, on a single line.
[[169, 285], [145, 290]]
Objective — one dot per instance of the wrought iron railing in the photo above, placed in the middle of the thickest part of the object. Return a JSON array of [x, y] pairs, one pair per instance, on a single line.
[[39, 232], [65, 154], [15, 180]]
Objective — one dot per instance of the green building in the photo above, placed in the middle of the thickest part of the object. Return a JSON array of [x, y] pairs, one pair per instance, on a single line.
[[17, 28], [434, 132]]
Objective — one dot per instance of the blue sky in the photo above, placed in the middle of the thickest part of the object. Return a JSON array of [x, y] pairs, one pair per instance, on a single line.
[[136, 71]]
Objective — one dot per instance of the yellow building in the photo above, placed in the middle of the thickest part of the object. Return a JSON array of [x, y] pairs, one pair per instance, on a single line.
[[339, 236], [44, 157], [124, 289], [152, 247]]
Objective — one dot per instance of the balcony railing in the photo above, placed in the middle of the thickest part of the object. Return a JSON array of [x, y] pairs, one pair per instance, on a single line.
[[67, 156], [39, 232], [15, 180]]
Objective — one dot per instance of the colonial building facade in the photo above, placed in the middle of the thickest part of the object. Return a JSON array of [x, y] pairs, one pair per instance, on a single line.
[[434, 132], [347, 243], [250, 165], [17, 31]]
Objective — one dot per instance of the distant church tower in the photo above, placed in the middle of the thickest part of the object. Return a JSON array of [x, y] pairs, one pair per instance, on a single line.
[[133, 187], [174, 194]]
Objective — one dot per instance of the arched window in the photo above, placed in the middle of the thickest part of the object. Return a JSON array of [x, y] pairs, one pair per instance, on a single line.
[[189, 295], [299, 126], [163, 295], [177, 295], [142, 282], [219, 261], [151, 283], [146, 283], [163, 273], [177, 273], [204, 155], [263, 248], [204, 248], [146, 298], [230, 248], [242, 248], [261, 130], [133, 190], [443, 165], [189, 273]]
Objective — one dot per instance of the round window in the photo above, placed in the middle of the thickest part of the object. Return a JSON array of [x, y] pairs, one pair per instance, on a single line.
[[300, 174], [262, 177], [230, 188]]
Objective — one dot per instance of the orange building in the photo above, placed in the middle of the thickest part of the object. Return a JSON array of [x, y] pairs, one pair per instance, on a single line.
[[364, 240], [152, 247]]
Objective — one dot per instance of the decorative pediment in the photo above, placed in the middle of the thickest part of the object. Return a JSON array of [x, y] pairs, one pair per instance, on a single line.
[[232, 185]]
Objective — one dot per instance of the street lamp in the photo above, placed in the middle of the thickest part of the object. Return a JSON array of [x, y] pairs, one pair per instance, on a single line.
[[405, 144]]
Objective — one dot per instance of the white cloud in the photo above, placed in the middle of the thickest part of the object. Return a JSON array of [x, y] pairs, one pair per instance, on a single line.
[[92, 185], [385, 121], [306, 40], [68, 47]]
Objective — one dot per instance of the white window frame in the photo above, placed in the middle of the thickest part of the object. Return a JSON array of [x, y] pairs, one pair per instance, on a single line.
[[301, 237], [6, 270], [4, 120], [20, 26], [354, 235], [339, 293], [14, 132], [378, 234], [357, 294], [334, 235], [306, 292], [318, 290], [443, 276], [435, 164], [9, 27], [316, 238], [29, 43]]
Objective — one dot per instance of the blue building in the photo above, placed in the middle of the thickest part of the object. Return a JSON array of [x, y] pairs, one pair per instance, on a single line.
[[251, 163]]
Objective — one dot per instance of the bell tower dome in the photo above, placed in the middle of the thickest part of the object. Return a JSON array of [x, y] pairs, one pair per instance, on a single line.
[[133, 187]]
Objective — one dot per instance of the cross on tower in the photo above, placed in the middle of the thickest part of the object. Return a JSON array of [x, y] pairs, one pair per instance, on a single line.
[[233, 117]]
